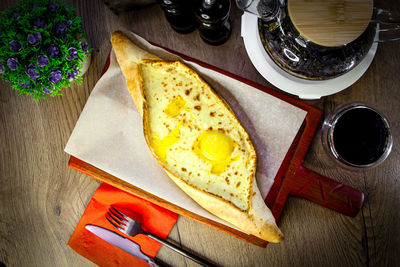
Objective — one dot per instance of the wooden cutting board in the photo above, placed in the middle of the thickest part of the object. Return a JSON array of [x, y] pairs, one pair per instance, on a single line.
[[291, 179]]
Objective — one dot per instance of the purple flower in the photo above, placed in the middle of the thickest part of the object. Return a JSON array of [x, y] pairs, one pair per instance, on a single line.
[[15, 46], [47, 90], [1, 69], [73, 54], [15, 15], [52, 7], [12, 63], [34, 38], [31, 72], [39, 23], [69, 22], [60, 29], [34, 6], [85, 46], [72, 75], [26, 85], [43, 61], [55, 76], [53, 51]]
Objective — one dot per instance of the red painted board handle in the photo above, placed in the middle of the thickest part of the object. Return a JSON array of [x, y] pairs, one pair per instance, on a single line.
[[326, 192]]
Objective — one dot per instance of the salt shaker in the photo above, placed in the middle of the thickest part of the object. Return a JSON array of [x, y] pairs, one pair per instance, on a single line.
[[179, 14]]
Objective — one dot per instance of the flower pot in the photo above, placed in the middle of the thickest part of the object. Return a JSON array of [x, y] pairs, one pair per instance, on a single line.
[[86, 65]]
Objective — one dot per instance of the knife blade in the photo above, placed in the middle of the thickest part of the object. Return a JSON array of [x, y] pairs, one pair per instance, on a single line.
[[120, 242]]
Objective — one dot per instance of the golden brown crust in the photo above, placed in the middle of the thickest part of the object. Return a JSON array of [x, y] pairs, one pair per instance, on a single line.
[[258, 219], [129, 57]]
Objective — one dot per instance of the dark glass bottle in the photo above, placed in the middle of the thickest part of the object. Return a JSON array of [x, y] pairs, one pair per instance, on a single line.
[[179, 14], [212, 17]]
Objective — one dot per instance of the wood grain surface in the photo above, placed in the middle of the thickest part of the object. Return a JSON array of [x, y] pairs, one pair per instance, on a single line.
[[41, 199], [331, 22]]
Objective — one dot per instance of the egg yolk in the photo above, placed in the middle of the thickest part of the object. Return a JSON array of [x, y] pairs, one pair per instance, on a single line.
[[160, 145], [216, 148], [175, 107]]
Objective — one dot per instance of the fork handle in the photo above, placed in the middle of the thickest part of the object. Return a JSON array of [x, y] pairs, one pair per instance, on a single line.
[[181, 251]]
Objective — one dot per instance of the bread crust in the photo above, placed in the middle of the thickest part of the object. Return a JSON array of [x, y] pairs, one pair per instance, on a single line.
[[257, 219], [129, 56]]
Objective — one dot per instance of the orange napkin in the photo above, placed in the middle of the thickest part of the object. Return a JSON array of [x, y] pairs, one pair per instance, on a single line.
[[154, 219]]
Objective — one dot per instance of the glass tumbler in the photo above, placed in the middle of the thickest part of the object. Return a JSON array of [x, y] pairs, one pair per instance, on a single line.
[[356, 136]]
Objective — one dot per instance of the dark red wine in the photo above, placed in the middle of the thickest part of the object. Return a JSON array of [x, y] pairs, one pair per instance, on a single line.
[[360, 136]]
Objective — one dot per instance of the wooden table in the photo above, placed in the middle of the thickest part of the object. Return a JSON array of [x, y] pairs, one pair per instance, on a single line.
[[42, 199]]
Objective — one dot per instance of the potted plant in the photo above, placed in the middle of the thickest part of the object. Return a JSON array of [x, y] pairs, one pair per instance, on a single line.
[[42, 47]]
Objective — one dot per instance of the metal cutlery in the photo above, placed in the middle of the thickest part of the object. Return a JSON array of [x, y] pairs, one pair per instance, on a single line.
[[131, 227], [120, 242]]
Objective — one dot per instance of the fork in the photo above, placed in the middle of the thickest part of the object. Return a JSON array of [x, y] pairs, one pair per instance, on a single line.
[[131, 227]]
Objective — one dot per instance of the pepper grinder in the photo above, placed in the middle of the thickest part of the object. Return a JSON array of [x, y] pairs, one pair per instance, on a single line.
[[212, 17], [179, 14]]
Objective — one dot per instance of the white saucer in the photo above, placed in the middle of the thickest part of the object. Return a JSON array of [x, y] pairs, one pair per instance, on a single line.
[[305, 89]]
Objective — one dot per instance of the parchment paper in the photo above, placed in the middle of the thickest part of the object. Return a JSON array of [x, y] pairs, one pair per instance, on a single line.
[[109, 133]]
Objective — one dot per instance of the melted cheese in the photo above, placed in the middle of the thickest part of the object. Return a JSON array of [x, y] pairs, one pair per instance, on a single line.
[[194, 134]]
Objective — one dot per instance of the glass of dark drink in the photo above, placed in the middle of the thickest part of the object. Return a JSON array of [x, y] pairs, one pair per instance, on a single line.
[[356, 136]]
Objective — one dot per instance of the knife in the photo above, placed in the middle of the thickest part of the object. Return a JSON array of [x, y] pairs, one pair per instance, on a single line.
[[120, 242]]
